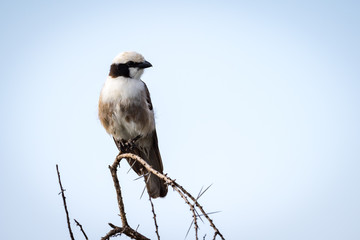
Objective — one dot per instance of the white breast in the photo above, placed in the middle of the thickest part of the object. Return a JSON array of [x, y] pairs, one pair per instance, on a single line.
[[121, 89], [127, 92]]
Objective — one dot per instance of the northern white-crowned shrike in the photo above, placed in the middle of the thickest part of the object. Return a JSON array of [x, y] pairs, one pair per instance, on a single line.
[[126, 112]]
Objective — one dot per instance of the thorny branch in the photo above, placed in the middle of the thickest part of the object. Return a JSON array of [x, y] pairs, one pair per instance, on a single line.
[[183, 193], [65, 206], [126, 229]]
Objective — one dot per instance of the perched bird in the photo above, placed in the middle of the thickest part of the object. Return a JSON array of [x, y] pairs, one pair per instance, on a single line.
[[126, 112]]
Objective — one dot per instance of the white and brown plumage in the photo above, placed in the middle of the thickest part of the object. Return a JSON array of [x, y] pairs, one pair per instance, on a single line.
[[126, 112]]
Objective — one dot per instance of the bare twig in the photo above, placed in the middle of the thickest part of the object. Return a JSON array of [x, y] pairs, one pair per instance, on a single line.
[[65, 206], [192, 210], [113, 170], [152, 206], [195, 221], [174, 185], [81, 228], [125, 229], [154, 217], [216, 233], [116, 230]]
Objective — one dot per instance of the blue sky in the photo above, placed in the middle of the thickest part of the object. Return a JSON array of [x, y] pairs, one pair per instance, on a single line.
[[260, 99]]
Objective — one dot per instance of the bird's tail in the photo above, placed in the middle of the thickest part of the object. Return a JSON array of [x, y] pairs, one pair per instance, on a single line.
[[156, 187]]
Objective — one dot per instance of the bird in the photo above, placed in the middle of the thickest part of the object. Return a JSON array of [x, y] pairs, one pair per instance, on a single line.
[[126, 112]]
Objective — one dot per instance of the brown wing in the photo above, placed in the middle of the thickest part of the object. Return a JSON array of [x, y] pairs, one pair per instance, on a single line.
[[105, 115]]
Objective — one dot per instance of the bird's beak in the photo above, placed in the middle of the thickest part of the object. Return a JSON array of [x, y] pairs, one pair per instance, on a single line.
[[144, 64]]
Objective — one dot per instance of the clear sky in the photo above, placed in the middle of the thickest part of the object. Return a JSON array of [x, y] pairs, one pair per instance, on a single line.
[[259, 98]]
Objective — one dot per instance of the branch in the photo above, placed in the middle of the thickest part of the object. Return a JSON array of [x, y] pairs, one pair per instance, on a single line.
[[81, 228], [125, 229], [183, 193], [154, 217], [113, 170], [65, 206]]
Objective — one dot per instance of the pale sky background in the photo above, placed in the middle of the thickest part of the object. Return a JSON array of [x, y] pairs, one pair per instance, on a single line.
[[259, 98]]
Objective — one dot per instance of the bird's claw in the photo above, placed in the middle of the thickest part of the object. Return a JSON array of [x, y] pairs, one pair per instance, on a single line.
[[126, 146]]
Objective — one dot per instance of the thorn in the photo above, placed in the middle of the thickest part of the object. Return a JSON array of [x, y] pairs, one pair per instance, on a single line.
[[210, 213], [187, 233], [130, 167], [141, 176], [198, 214], [138, 178], [199, 193], [142, 192], [144, 186], [204, 191]]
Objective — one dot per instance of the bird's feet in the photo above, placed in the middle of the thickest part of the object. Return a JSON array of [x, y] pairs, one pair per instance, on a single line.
[[127, 145]]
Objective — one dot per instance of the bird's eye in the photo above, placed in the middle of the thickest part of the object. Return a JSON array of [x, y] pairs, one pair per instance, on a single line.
[[130, 63]]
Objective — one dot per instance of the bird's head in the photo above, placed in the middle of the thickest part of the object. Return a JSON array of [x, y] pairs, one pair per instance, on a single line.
[[128, 64]]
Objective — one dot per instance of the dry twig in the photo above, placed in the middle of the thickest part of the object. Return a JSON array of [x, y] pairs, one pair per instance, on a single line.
[[154, 217], [183, 193], [65, 206], [125, 229], [81, 228]]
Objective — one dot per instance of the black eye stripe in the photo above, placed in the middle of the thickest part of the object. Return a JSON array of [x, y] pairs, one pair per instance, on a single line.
[[117, 70], [132, 64]]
